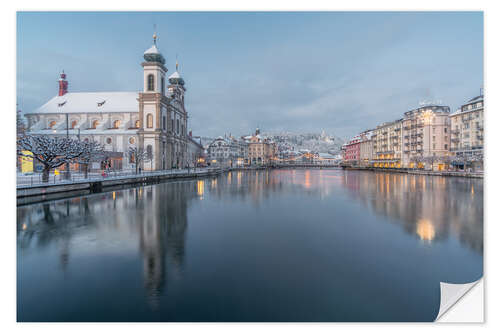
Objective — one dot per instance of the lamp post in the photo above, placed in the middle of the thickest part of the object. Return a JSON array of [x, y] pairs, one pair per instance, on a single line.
[[67, 137]]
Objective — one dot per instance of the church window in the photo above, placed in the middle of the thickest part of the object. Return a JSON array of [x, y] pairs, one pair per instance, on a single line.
[[74, 123], [52, 123], [149, 151], [131, 140], [164, 123], [163, 86], [108, 141], [95, 123], [137, 123], [150, 120], [151, 82], [177, 126], [116, 124]]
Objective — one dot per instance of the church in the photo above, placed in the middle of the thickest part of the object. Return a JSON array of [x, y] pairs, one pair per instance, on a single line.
[[154, 119]]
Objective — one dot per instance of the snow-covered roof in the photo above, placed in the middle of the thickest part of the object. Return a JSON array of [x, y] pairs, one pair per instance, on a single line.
[[152, 50], [91, 102], [175, 75]]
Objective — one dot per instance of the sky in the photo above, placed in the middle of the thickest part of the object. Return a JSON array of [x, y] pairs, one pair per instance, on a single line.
[[341, 72]]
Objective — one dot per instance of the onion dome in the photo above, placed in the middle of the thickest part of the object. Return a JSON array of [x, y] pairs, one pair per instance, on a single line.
[[176, 78], [153, 54]]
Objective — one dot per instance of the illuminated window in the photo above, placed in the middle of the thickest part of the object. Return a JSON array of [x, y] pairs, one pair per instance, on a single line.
[[137, 123], [150, 120], [74, 123], [131, 140], [52, 123], [95, 123], [116, 124], [151, 82]]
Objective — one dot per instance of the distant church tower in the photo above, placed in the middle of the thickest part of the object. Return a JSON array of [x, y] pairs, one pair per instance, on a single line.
[[153, 110], [63, 84]]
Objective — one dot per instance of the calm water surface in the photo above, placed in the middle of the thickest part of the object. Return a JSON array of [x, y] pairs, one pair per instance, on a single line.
[[287, 245]]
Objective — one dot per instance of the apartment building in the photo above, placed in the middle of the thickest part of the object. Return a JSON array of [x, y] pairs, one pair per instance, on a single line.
[[387, 145], [467, 133], [426, 137]]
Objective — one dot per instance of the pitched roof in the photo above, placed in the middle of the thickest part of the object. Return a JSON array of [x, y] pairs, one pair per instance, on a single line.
[[91, 102]]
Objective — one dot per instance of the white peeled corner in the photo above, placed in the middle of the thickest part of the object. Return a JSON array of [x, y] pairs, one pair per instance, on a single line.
[[452, 293]]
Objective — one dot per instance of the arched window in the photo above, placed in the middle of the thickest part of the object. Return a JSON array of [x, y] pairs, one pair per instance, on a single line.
[[163, 86], [95, 123], [109, 140], [116, 124], [150, 120], [151, 82], [164, 123], [137, 123], [149, 151], [74, 123], [52, 124]]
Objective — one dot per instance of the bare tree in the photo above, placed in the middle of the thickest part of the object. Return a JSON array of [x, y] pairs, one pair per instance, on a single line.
[[432, 159], [138, 155], [20, 124], [52, 152], [92, 151]]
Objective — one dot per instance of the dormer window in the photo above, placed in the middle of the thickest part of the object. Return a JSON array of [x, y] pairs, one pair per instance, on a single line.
[[52, 124], [137, 123], [99, 104], [116, 124], [95, 123], [151, 82]]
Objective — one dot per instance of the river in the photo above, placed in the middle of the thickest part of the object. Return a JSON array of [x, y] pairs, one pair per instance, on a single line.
[[267, 245]]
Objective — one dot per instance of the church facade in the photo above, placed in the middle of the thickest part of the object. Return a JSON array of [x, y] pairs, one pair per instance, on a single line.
[[154, 119]]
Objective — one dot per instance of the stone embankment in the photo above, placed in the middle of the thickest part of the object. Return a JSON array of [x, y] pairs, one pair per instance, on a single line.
[[422, 172]]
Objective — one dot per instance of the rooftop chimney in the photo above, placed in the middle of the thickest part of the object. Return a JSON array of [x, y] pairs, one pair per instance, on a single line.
[[63, 84]]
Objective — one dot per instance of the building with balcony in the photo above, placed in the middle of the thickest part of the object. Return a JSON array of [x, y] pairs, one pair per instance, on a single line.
[[426, 137], [387, 145], [467, 133]]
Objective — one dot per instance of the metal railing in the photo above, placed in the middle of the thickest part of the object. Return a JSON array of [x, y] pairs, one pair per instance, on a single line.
[[36, 179]]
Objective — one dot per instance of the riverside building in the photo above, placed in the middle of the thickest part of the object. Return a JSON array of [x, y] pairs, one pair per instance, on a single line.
[[387, 147], [154, 119], [426, 137], [467, 132]]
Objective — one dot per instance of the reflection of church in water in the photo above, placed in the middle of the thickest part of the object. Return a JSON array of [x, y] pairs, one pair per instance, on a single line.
[[162, 230], [156, 214]]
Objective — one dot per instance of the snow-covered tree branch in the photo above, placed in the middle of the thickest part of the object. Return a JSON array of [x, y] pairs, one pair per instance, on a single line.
[[52, 152]]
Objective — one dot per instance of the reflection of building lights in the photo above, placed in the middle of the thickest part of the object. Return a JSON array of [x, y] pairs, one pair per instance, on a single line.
[[200, 187], [114, 195], [425, 230], [214, 183], [25, 226], [307, 183], [472, 190]]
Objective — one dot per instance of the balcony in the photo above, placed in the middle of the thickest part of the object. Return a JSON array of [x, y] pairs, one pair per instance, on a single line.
[[406, 128], [455, 132], [455, 140], [480, 137], [420, 125], [397, 129]]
